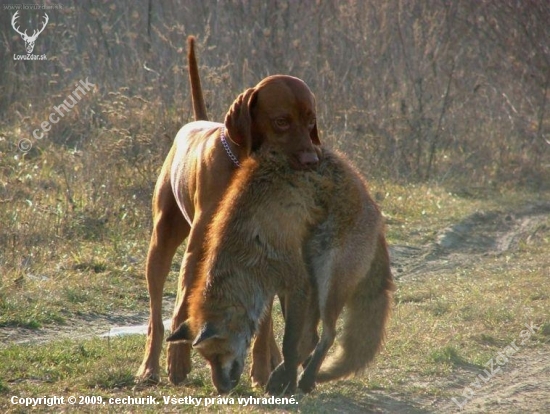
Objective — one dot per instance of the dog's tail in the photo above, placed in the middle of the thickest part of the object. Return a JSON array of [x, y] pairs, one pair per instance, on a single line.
[[199, 108], [367, 311]]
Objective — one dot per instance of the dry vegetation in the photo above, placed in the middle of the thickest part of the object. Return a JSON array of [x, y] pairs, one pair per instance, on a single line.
[[443, 105]]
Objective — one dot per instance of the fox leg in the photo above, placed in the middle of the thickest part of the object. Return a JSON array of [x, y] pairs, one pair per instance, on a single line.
[[265, 353], [283, 379]]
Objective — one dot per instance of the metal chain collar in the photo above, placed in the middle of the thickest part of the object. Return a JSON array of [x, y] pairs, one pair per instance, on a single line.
[[228, 150]]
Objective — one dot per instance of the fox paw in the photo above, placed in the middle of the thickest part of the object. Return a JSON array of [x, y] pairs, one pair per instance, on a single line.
[[178, 362], [281, 381], [306, 383]]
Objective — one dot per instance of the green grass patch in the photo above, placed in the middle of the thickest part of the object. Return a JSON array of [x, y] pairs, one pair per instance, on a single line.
[[447, 355]]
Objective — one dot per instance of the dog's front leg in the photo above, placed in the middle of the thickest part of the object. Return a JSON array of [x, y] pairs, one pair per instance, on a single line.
[[283, 379], [178, 355], [169, 231]]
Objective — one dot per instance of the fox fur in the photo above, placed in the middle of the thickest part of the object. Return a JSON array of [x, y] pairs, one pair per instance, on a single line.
[[315, 238]]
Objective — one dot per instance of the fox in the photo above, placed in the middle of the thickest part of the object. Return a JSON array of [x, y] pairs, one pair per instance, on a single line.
[[313, 237]]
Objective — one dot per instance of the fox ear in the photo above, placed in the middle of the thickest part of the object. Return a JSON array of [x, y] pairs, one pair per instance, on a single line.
[[208, 331], [182, 333]]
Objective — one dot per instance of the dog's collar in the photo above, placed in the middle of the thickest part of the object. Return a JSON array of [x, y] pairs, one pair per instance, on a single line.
[[228, 150]]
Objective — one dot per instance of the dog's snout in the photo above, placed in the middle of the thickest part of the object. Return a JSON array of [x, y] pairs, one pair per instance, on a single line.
[[308, 159]]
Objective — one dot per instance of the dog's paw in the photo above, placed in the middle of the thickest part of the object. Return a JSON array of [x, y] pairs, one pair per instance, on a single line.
[[259, 375], [281, 381], [147, 377], [151, 379]]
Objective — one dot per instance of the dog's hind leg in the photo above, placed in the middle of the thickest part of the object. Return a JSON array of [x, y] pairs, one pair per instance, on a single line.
[[265, 352], [169, 231]]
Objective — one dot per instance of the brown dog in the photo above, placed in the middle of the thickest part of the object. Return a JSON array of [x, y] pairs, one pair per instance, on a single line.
[[278, 113], [278, 230]]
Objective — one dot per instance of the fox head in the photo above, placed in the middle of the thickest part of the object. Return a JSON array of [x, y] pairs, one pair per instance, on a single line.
[[223, 340]]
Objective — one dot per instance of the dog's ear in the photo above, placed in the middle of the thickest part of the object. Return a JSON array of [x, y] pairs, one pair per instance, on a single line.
[[314, 135], [208, 331], [182, 333], [238, 121]]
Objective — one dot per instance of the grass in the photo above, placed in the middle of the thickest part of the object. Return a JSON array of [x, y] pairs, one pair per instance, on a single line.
[[457, 322], [74, 243]]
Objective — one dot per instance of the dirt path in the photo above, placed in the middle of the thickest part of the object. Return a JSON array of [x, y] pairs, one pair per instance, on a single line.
[[521, 385], [479, 235], [82, 328]]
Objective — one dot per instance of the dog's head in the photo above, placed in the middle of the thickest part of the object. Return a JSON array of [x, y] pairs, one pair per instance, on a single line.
[[223, 339], [278, 112]]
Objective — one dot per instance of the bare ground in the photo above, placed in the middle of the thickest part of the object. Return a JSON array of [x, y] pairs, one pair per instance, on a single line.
[[521, 385]]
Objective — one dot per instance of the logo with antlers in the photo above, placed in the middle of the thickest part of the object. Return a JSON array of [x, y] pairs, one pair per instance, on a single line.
[[29, 40]]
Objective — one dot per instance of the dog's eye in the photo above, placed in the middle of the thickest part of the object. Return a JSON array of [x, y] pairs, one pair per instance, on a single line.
[[282, 123]]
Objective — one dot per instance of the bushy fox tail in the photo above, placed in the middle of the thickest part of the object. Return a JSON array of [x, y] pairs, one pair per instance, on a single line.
[[367, 311]]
